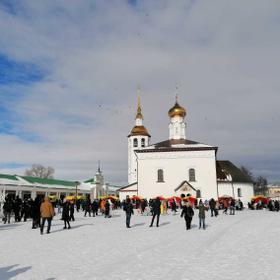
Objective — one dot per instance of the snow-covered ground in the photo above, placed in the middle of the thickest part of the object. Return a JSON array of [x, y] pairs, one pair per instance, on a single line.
[[244, 246]]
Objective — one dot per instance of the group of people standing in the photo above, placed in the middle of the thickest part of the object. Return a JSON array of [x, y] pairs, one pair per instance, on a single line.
[[155, 204], [42, 211]]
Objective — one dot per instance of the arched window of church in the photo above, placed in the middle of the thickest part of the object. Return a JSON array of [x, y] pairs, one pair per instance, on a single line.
[[191, 175], [160, 175], [198, 194], [135, 142], [143, 142], [239, 192]]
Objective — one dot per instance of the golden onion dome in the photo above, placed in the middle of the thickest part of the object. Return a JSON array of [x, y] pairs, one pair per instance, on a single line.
[[139, 130], [177, 110]]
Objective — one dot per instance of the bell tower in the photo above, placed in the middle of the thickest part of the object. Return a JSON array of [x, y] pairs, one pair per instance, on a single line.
[[138, 138]]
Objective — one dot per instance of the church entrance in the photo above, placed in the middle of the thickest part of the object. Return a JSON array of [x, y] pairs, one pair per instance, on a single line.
[[185, 188]]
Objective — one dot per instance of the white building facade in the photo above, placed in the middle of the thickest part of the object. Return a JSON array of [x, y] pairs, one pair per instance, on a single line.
[[177, 165]]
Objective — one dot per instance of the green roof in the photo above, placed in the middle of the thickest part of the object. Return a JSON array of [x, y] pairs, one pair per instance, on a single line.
[[48, 181], [89, 180], [10, 177], [225, 167]]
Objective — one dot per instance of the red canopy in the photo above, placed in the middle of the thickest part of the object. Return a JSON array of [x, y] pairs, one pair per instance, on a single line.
[[136, 197], [176, 198], [262, 198], [191, 199], [160, 197]]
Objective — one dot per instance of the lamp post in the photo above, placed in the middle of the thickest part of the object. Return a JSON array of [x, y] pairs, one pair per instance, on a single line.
[[77, 183]]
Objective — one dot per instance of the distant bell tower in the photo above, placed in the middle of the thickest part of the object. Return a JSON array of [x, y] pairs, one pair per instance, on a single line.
[[177, 126], [138, 138]]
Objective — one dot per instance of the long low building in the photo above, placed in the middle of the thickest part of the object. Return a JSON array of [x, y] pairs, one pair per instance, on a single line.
[[30, 187]]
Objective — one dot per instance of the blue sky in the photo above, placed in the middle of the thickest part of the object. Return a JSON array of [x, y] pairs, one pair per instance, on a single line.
[[69, 72]]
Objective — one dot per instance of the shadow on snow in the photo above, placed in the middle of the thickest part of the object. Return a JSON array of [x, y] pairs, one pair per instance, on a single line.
[[8, 272]]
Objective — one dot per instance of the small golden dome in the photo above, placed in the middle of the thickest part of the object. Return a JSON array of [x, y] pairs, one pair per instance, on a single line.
[[177, 110], [139, 130]]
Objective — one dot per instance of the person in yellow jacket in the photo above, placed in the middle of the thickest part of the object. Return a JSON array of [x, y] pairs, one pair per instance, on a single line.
[[47, 213]]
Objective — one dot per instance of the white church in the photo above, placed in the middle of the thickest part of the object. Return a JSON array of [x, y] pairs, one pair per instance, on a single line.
[[178, 165]]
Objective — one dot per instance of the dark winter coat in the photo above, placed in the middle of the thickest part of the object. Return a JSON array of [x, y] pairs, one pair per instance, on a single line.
[[65, 211], [35, 208], [212, 203], [107, 208], [128, 208], [8, 206], [187, 212], [156, 207]]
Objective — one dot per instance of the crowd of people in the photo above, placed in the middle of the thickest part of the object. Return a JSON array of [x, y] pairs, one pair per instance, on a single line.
[[41, 209]]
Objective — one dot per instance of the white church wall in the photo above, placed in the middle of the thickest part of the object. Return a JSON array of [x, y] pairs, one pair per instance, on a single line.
[[129, 190], [247, 192], [225, 188], [123, 194], [176, 167], [231, 189]]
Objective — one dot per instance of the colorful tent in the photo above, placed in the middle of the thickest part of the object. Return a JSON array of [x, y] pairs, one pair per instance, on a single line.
[[191, 199], [257, 198], [137, 197], [176, 198]]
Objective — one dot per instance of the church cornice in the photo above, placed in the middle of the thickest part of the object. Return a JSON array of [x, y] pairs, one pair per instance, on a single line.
[[177, 150]]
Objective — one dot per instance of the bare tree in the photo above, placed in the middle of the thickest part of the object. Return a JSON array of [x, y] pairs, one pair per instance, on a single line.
[[39, 171], [246, 171], [260, 182], [260, 186]]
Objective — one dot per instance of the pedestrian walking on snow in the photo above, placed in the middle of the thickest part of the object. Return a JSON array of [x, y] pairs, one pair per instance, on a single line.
[[71, 210], [65, 214], [188, 213], [128, 208], [107, 209], [201, 214], [47, 213], [156, 211]]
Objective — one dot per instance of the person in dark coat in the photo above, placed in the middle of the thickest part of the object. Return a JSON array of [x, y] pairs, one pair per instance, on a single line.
[[107, 209], [201, 214], [94, 207], [173, 206], [87, 206], [26, 209], [17, 208], [156, 211], [65, 214], [71, 209], [128, 208], [7, 209], [35, 212], [188, 213], [212, 205], [143, 205], [232, 207], [78, 205]]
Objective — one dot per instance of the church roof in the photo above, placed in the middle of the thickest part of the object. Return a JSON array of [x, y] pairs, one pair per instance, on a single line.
[[128, 188], [172, 142], [174, 145], [225, 167]]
